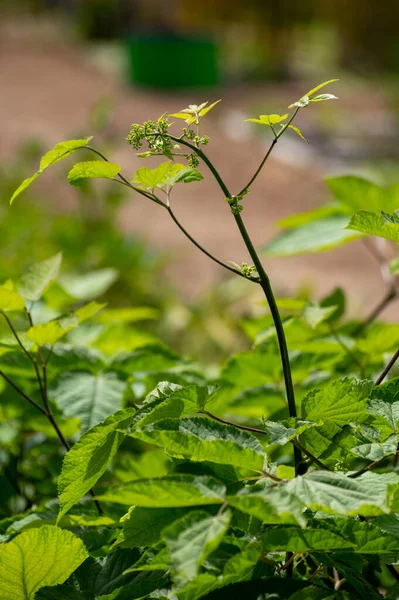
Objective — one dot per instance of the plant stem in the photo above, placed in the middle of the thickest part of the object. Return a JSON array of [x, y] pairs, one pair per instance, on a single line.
[[387, 299], [22, 393], [264, 282], [387, 368]]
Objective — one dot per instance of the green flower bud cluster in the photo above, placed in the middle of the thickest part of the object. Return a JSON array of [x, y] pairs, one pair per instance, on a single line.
[[154, 133]]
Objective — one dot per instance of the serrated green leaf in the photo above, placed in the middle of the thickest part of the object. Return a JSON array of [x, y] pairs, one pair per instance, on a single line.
[[343, 401], [190, 541], [378, 224], [152, 178], [377, 450], [38, 277], [91, 398], [143, 526], [282, 432], [184, 175], [59, 152], [92, 169], [292, 539], [204, 440], [171, 491], [89, 458], [316, 236], [177, 402], [269, 505], [40, 557], [334, 493]]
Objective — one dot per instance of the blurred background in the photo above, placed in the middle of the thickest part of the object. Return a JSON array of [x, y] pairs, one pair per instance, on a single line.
[[92, 67]]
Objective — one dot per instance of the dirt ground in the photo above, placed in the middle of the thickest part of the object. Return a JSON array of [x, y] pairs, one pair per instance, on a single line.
[[47, 91]]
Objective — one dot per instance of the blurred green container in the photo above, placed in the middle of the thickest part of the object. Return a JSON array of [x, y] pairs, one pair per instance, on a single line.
[[172, 62]]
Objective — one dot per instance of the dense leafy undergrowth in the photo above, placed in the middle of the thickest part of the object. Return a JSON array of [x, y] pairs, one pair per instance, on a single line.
[[129, 471]]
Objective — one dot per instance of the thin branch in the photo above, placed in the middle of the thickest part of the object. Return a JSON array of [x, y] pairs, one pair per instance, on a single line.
[[214, 258], [348, 351], [306, 452], [22, 393], [391, 294], [274, 142], [387, 368]]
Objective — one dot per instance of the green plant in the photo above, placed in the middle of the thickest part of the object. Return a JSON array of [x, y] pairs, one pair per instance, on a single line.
[[203, 483]]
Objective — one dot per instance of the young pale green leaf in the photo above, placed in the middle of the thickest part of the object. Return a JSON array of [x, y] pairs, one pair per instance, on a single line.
[[304, 101], [298, 132], [59, 152], [152, 178], [91, 398], [378, 224], [89, 458], [191, 540], [44, 556], [45, 334], [292, 539], [143, 526], [172, 491], [323, 97], [92, 169], [314, 314], [320, 86], [335, 493], [38, 277], [377, 450], [10, 300], [202, 439], [49, 333], [268, 120], [206, 109], [315, 236]]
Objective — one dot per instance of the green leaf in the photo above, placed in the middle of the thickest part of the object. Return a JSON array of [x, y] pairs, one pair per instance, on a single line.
[[59, 152], [269, 505], [152, 178], [268, 120], [92, 169], [202, 439], [377, 450], [191, 540], [110, 574], [184, 175], [318, 87], [292, 539], [381, 225], [89, 458], [334, 493], [384, 402], [38, 277], [316, 236], [314, 314], [177, 401], [282, 432], [143, 526], [298, 132], [252, 369], [323, 97], [90, 285], [40, 557], [89, 397], [357, 193], [130, 314], [10, 300], [367, 537], [342, 401], [49, 333], [172, 491], [206, 109], [321, 212]]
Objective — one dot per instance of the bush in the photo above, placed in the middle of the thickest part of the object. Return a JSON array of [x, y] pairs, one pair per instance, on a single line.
[[275, 476]]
